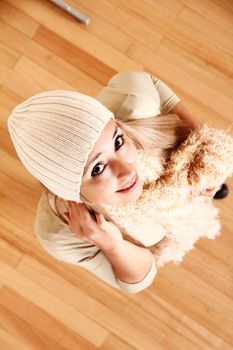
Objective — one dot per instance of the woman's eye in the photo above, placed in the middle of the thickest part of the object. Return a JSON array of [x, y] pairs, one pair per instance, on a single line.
[[96, 170], [121, 142], [118, 144]]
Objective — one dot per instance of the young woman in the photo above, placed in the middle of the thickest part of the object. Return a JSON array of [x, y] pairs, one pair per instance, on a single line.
[[85, 152]]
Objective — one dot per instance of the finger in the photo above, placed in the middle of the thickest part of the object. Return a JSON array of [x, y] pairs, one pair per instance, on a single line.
[[86, 221], [74, 223], [78, 210], [75, 216], [84, 213], [99, 219], [67, 216]]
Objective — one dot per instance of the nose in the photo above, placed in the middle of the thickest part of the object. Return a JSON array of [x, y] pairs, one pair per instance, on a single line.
[[124, 170]]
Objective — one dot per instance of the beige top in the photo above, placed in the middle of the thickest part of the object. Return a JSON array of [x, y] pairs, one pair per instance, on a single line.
[[133, 94]]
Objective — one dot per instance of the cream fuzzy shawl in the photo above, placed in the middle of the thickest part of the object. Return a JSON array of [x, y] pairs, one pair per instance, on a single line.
[[171, 201]]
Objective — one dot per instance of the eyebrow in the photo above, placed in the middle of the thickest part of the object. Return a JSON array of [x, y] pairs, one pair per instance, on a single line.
[[98, 154]]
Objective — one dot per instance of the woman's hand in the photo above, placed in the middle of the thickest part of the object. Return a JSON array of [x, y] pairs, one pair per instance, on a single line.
[[104, 234]]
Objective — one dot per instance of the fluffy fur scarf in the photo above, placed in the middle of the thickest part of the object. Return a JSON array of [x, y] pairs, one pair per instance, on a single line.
[[171, 204]]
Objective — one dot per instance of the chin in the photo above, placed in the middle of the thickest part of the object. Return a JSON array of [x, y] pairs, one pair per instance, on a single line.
[[131, 197]]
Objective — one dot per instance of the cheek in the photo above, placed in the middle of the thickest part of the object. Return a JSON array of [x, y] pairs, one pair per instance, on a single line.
[[98, 193], [98, 189], [131, 152], [105, 185]]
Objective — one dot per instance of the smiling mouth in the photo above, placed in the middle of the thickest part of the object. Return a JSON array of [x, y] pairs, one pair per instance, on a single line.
[[131, 187]]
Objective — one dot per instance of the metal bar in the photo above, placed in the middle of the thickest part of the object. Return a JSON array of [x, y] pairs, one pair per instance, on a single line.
[[78, 15]]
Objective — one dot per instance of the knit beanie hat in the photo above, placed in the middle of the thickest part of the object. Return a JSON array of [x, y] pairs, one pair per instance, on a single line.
[[53, 133]]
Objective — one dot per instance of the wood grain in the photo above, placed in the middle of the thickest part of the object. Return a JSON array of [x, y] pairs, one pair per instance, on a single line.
[[49, 304]]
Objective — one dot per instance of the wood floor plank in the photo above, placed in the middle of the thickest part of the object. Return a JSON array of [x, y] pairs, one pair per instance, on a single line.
[[167, 336], [195, 309], [58, 285], [225, 4], [211, 11], [11, 343], [182, 321], [24, 332], [46, 303], [210, 269], [18, 19], [22, 237], [169, 8], [30, 324], [50, 303], [79, 58], [201, 111], [81, 302], [41, 13], [182, 34], [155, 64], [130, 26], [217, 35], [197, 288], [196, 67], [5, 73], [51, 62], [25, 241], [103, 27], [13, 166], [8, 101], [9, 254], [8, 56]]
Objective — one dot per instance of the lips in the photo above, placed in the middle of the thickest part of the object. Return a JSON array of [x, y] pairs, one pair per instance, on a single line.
[[130, 185]]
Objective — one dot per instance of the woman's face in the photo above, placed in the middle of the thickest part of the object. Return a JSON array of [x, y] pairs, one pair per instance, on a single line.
[[110, 168]]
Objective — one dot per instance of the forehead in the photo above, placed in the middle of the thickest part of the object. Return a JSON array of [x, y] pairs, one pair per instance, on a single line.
[[102, 142], [105, 136]]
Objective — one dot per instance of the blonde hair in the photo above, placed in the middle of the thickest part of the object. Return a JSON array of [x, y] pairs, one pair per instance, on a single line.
[[158, 135]]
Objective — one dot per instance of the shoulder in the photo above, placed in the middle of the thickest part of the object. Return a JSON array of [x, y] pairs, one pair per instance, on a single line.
[[131, 94], [46, 218], [131, 78], [130, 82], [56, 237]]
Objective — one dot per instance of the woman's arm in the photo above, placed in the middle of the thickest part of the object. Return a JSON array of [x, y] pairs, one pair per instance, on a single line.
[[185, 115], [130, 262], [171, 103], [60, 241], [113, 267]]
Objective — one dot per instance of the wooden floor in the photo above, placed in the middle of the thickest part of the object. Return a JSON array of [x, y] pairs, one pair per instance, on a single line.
[[48, 304]]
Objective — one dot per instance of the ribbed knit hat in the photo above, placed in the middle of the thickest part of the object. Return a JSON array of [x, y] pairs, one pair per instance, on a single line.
[[53, 133]]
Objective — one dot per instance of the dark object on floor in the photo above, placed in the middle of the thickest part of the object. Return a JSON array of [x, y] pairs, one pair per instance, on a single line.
[[222, 193]]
